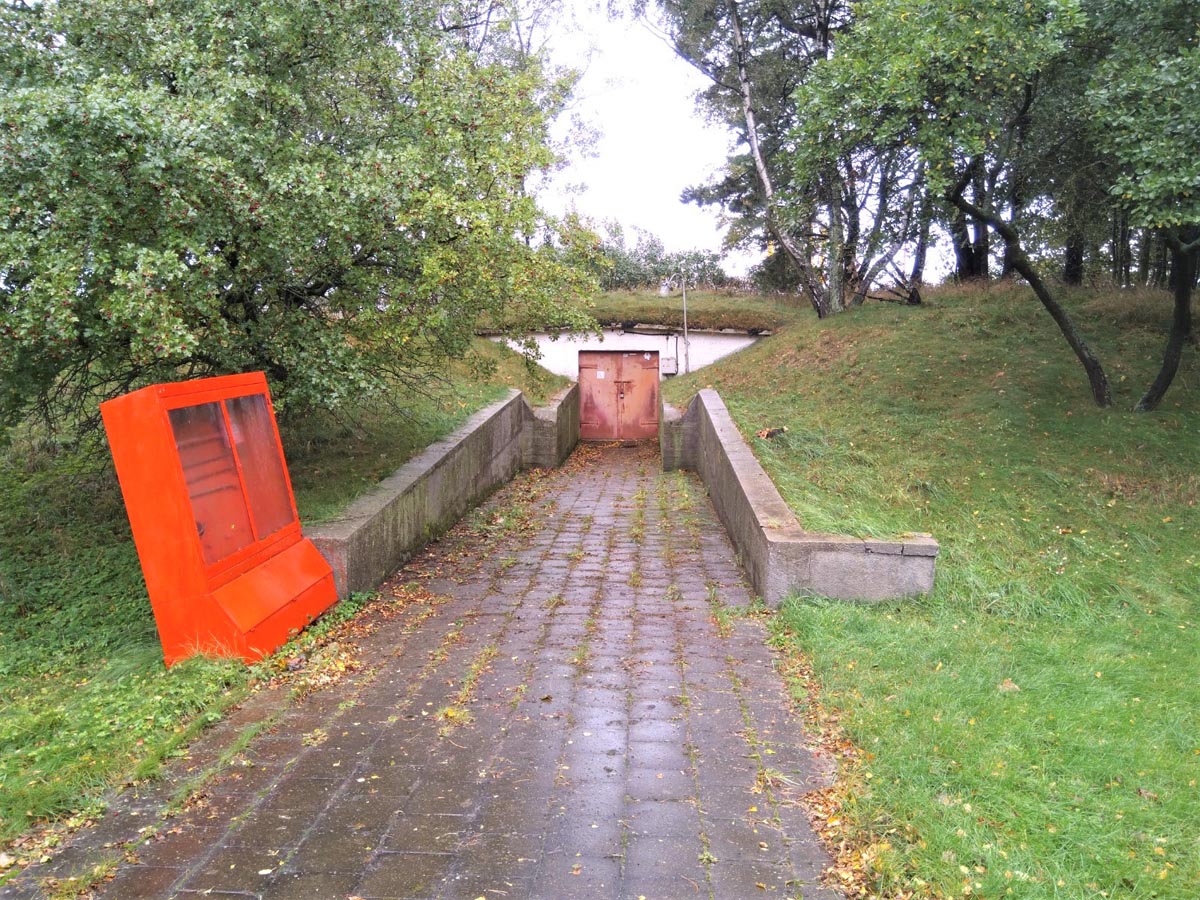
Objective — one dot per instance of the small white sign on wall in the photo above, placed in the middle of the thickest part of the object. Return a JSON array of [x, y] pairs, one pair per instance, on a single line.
[[599, 374]]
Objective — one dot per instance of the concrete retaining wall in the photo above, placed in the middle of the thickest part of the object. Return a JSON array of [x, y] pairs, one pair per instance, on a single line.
[[555, 430], [779, 555], [382, 529]]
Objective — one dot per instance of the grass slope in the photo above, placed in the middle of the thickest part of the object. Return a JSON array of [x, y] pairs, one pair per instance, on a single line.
[[1032, 728], [86, 699], [706, 310]]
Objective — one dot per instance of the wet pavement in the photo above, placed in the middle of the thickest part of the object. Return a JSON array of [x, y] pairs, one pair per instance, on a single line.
[[565, 697]]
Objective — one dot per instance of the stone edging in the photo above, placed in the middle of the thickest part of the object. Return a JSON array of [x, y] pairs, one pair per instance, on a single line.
[[382, 529], [779, 555]]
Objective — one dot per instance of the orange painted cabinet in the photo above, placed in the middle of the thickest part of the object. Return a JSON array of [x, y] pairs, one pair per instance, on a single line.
[[210, 504]]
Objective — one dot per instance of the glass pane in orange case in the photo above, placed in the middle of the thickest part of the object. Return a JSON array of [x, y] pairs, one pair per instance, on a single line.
[[228, 569], [213, 485], [262, 463]]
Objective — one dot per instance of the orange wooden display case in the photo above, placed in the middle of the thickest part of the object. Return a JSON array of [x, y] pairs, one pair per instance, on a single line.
[[213, 517]]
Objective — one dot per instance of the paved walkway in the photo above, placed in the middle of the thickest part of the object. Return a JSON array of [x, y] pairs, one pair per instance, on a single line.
[[560, 701]]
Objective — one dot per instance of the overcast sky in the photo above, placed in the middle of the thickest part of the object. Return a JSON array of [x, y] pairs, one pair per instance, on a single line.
[[650, 141]]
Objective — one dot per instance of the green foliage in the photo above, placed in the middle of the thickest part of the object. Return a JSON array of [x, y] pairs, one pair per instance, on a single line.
[[648, 263], [330, 192], [1145, 103], [1068, 569], [948, 78]]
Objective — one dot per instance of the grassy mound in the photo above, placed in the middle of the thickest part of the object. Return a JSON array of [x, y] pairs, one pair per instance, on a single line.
[[1032, 728], [711, 310]]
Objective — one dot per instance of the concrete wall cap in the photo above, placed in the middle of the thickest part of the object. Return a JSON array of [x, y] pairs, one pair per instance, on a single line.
[[885, 548], [923, 545]]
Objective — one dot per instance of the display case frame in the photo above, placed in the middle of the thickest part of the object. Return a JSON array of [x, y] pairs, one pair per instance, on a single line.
[[214, 518]]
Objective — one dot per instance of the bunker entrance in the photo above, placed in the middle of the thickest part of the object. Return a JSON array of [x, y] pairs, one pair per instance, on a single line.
[[618, 395]]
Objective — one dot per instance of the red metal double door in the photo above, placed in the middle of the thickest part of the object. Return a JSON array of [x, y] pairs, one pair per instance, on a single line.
[[618, 395]]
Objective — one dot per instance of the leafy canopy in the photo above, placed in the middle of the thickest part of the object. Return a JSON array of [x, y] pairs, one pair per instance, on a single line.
[[947, 78], [333, 192], [1145, 105]]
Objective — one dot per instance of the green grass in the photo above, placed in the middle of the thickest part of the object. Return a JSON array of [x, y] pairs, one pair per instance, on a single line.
[[706, 310], [334, 458], [86, 700], [1031, 728]]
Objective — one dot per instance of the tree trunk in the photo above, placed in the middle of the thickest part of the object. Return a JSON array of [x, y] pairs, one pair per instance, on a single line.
[[1161, 257], [1073, 260], [966, 259], [1101, 392], [970, 234], [961, 238], [983, 250], [917, 277], [809, 283], [1144, 246], [836, 271], [1122, 256], [1184, 260], [1016, 203]]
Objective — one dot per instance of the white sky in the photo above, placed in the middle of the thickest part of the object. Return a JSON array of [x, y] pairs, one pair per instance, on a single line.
[[652, 143]]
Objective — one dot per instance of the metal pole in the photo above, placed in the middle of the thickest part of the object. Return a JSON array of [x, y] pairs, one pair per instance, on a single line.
[[687, 364]]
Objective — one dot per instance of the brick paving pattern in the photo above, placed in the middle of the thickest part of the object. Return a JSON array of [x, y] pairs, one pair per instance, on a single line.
[[572, 708]]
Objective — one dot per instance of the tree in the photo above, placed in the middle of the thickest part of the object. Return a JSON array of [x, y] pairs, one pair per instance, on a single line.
[[1145, 105], [838, 224], [648, 263], [958, 81], [330, 192]]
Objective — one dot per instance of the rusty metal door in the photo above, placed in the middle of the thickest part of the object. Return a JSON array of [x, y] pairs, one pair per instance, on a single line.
[[618, 395]]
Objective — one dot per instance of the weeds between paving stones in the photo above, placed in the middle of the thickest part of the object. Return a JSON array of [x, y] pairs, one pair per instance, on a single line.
[[720, 613], [456, 714], [637, 530]]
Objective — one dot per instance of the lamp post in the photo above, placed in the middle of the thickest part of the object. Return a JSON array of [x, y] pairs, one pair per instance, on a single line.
[[687, 365]]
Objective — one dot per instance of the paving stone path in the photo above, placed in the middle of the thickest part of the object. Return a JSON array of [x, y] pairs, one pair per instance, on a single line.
[[561, 700]]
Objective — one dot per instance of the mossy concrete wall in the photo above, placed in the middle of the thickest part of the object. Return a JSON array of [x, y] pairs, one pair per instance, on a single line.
[[381, 530], [779, 555], [555, 430]]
